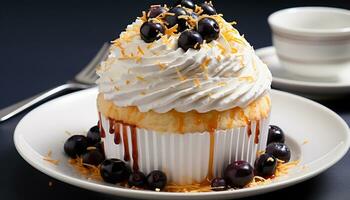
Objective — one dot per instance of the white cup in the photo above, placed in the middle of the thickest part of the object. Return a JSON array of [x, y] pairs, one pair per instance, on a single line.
[[312, 41]]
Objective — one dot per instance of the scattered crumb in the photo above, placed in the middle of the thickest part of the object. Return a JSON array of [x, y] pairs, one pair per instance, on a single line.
[[68, 133], [305, 141], [49, 159]]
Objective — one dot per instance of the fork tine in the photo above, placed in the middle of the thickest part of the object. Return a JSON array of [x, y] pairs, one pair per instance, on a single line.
[[88, 74]]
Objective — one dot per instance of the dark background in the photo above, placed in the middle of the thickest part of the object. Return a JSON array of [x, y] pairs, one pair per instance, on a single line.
[[44, 43]]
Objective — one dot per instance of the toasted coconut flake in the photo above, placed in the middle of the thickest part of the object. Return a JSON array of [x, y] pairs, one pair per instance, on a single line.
[[172, 30], [181, 77], [161, 65], [249, 79], [144, 16], [197, 82], [222, 84], [140, 78], [140, 50]]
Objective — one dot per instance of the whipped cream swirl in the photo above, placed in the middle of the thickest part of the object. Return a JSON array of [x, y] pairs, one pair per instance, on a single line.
[[159, 76]]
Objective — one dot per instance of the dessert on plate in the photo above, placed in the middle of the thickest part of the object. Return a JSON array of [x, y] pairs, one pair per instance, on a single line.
[[182, 91]]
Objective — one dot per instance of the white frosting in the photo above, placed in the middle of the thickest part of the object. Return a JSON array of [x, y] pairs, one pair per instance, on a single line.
[[163, 77]]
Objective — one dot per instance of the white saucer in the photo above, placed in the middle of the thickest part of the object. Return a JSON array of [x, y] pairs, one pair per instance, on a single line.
[[310, 87], [44, 129]]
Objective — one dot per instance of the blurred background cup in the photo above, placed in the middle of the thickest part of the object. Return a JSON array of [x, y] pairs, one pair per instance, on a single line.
[[312, 41]]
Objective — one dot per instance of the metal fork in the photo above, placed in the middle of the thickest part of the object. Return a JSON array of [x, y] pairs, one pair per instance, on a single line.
[[84, 79]]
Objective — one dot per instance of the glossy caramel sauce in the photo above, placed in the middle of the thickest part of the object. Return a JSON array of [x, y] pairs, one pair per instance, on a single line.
[[117, 138], [135, 155], [212, 125], [257, 132], [102, 131], [126, 144]]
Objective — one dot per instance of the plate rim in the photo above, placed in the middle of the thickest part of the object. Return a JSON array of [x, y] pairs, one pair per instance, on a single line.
[[143, 194], [261, 52]]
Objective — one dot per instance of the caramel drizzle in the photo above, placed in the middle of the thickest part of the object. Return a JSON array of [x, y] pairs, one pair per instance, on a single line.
[[102, 131], [249, 131], [212, 125], [257, 132], [117, 138], [135, 155], [126, 144], [111, 126]]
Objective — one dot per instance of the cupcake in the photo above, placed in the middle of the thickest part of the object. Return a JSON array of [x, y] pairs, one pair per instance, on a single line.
[[183, 92]]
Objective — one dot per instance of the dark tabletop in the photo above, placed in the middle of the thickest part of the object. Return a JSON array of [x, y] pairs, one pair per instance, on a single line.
[[42, 44]]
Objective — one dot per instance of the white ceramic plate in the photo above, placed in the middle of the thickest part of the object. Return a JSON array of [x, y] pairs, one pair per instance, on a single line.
[[45, 127], [310, 87]]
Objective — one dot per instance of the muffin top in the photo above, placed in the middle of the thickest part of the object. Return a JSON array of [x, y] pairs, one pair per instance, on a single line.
[[183, 58]]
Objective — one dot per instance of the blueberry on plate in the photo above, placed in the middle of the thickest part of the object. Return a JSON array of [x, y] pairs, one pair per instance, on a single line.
[[75, 145], [276, 134], [238, 174], [279, 150], [172, 20], [190, 39], [186, 3], [93, 157], [208, 28], [137, 179], [265, 165], [114, 171], [218, 184], [151, 31], [156, 180], [155, 11], [93, 135], [208, 9]]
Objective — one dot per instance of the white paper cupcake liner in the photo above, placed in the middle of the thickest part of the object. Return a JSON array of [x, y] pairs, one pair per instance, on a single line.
[[185, 157]]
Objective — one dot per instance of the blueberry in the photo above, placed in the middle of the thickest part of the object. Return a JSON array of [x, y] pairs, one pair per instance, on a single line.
[[190, 39], [265, 165], [276, 134], [194, 15], [156, 180], [75, 145], [137, 179], [208, 28], [172, 20], [208, 9], [93, 157], [218, 184], [238, 174], [279, 151], [114, 171], [155, 11], [186, 3], [151, 31], [93, 135]]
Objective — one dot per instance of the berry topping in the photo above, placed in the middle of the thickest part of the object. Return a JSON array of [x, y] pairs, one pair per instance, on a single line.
[[276, 134], [265, 165], [156, 180], [93, 136], [238, 174], [218, 184], [155, 11], [194, 15], [114, 171], [279, 151], [190, 39], [75, 145], [151, 31], [137, 179], [172, 20], [186, 3], [93, 157], [208, 28], [208, 9]]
